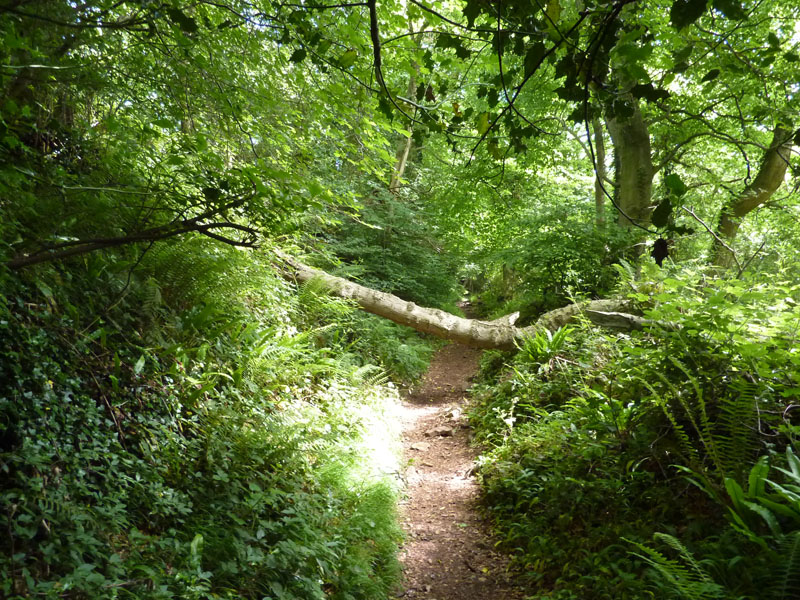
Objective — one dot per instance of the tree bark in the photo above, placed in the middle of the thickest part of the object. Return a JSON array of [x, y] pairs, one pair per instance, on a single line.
[[500, 334], [634, 176], [770, 176]]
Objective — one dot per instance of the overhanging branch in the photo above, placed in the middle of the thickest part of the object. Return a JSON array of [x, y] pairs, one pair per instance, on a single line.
[[196, 224]]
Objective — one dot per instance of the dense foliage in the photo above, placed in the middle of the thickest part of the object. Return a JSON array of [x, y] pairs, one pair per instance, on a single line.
[[174, 433], [177, 421], [685, 434]]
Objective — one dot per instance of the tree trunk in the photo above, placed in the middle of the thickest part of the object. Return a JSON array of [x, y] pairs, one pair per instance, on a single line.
[[634, 176], [404, 148], [600, 173], [770, 175], [500, 334]]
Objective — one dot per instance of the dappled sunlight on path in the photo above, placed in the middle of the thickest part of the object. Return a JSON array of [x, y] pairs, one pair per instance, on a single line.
[[448, 553]]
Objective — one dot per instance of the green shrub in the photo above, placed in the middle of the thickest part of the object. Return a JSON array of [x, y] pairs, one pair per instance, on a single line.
[[596, 443], [556, 254], [392, 248], [177, 433]]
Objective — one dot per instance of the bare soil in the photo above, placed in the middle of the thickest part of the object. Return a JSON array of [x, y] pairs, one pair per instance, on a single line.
[[449, 552]]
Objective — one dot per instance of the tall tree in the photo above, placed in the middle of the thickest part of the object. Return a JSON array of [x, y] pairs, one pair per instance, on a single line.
[[769, 177]]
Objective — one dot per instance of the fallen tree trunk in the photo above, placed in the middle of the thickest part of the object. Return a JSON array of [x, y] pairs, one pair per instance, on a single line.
[[500, 334]]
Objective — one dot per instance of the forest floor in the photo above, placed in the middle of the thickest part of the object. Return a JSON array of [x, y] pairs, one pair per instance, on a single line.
[[449, 552]]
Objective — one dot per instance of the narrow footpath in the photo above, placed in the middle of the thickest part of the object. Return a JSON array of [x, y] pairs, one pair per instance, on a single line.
[[449, 553]]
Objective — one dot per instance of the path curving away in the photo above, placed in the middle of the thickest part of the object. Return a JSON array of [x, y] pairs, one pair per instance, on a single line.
[[449, 553]]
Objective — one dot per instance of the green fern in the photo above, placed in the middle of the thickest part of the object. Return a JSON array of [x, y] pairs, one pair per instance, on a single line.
[[685, 576], [626, 273], [690, 454], [737, 440], [787, 585], [196, 270], [728, 439], [542, 346], [370, 376]]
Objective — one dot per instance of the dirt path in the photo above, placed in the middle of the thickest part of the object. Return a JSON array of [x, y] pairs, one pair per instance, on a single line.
[[448, 554]]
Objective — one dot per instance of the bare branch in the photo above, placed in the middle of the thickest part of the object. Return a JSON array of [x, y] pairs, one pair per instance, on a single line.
[[714, 234], [195, 224]]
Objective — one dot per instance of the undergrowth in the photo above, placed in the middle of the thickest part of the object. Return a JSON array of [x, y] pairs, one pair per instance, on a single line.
[[193, 428], [657, 464]]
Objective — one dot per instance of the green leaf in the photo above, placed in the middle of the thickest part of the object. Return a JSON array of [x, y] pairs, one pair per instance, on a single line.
[[675, 184], [298, 55], [780, 509], [794, 462], [649, 92], [212, 194], [773, 40], [137, 368], [735, 492], [710, 76], [494, 149], [445, 40], [686, 12], [385, 106], [682, 55], [10, 107], [196, 547], [757, 478], [483, 123], [730, 8], [347, 59], [553, 10], [662, 212], [533, 58], [767, 515], [187, 24], [471, 11], [323, 46], [462, 51]]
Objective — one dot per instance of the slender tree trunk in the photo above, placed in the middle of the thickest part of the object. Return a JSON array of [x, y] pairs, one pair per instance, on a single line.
[[501, 333], [405, 145], [600, 173], [770, 176], [634, 176]]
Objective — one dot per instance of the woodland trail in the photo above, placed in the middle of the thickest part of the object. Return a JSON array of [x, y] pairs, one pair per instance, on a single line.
[[448, 553]]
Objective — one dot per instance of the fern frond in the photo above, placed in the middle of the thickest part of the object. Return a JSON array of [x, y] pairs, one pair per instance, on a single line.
[[370, 376], [689, 451], [736, 436], [627, 274], [702, 425], [787, 585], [691, 583], [196, 270]]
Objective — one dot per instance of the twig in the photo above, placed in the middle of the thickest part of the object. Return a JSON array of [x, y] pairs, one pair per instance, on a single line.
[[749, 260], [714, 235]]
